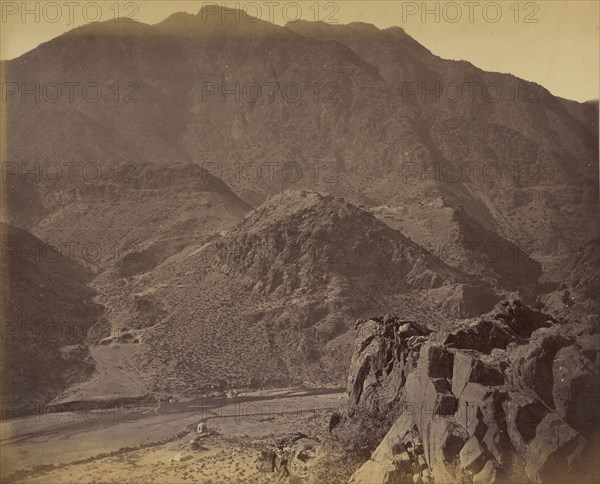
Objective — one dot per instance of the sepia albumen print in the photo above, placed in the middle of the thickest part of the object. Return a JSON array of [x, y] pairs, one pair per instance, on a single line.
[[300, 241]]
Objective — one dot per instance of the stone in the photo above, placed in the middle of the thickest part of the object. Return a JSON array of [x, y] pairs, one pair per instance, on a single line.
[[472, 456], [180, 458], [506, 397], [483, 336], [403, 461], [468, 368], [487, 475], [382, 360], [495, 442], [446, 435], [523, 415], [387, 464], [477, 428], [531, 364], [435, 361], [549, 453], [478, 402], [576, 390]]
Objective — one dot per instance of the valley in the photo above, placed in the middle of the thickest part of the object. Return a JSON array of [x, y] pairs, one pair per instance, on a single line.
[[193, 247]]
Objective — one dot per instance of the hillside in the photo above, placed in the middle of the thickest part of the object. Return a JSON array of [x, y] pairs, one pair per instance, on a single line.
[[265, 302], [48, 312], [172, 191]]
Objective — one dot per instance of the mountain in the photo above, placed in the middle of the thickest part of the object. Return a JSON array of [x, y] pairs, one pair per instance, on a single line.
[[462, 242], [266, 301], [48, 312], [236, 97], [162, 161], [518, 160]]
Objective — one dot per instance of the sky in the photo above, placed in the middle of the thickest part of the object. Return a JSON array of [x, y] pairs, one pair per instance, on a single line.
[[552, 42]]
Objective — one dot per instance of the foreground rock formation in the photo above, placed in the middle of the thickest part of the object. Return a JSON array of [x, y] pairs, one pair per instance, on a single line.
[[511, 396]]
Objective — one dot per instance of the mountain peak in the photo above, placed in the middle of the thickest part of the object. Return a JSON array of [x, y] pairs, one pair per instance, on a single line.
[[216, 20], [311, 28]]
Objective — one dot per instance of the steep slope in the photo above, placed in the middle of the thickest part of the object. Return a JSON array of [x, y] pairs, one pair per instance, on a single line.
[[579, 293], [48, 310], [520, 161], [461, 242], [335, 109], [139, 221], [104, 176], [326, 240], [266, 302]]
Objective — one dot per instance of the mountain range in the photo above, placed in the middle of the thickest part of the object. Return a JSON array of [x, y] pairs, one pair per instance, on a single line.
[[228, 195]]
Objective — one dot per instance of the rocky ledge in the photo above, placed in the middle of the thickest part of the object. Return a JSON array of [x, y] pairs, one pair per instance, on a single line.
[[512, 396]]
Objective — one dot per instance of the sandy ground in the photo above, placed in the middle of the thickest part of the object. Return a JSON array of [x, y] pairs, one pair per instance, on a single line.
[[140, 446], [110, 380]]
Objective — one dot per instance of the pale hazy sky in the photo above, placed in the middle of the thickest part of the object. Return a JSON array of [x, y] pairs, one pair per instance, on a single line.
[[554, 43]]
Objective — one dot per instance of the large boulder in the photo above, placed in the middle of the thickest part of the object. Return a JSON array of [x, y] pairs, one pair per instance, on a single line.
[[386, 351], [552, 455], [511, 396], [576, 374], [398, 457]]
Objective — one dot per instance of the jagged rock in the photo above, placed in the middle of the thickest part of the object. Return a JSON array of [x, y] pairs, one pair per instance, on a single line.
[[469, 368], [482, 336], [521, 319], [524, 415], [531, 368], [497, 442], [427, 397], [513, 394], [478, 402], [449, 437], [435, 361], [508, 322], [487, 475], [387, 463], [472, 455], [574, 376], [477, 428], [383, 357], [550, 452]]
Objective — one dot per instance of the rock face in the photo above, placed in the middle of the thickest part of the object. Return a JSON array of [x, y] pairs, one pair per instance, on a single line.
[[386, 350], [509, 397]]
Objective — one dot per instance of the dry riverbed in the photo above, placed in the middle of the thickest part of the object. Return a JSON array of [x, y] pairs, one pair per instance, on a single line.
[[152, 444]]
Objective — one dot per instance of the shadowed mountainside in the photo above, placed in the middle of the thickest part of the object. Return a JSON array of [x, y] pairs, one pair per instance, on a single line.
[[200, 120]]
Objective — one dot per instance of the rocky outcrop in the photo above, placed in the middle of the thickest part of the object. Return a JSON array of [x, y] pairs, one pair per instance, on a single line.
[[386, 350], [509, 397]]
